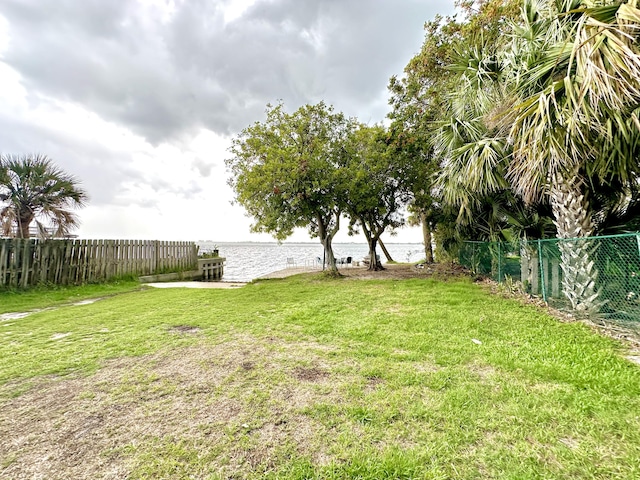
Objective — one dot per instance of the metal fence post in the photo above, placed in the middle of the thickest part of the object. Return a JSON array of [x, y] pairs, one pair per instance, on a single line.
[[473, 259], [499, 262], [542, 285]]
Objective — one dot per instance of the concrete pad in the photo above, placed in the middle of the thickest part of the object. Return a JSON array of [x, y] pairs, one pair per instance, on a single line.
[[196, 284], [634, 358], [287, 272]]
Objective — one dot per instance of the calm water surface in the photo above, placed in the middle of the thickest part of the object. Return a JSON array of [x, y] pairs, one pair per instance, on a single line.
[[247, 261]]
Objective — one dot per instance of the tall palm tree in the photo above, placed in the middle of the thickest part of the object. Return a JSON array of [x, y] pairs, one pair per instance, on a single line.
[[33, 189], [575, 71], [556, 112]]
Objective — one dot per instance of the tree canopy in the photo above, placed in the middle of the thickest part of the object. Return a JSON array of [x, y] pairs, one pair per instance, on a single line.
[[284, 172], [374, 186], [420, 103]]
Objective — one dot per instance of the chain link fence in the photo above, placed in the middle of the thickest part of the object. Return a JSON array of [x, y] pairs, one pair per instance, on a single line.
[[597, 276]]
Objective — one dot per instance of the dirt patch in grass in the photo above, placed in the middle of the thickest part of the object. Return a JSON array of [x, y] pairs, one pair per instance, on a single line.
[[248, 365], [483, 371], [312, 374], [373, 383], [185, 329], [244, 397]]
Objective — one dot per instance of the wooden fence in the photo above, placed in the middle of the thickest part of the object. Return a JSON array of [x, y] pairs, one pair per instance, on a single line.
[[25, 262]]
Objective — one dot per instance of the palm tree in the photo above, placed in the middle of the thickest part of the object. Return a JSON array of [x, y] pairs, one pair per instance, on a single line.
[[555, 114], [33, 189], [575, 121]]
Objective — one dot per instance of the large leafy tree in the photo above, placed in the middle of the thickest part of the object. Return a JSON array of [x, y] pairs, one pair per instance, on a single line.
[[419, 100], [284, 172], [373, 182], [416, 101], [554, 116], [33, 190], [412, 151]]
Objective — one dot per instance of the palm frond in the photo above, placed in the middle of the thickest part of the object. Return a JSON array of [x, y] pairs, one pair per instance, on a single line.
[[33, 186]]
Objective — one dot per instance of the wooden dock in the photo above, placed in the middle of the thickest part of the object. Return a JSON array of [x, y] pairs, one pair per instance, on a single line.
[[211, 269]]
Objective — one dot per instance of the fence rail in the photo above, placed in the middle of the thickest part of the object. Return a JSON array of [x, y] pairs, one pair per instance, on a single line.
[[607, 269], [26, 262]]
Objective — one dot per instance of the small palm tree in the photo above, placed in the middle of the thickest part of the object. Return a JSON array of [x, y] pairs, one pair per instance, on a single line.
[[33, 189]]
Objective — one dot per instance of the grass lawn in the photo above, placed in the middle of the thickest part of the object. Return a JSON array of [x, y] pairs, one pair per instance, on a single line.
[[49, 296], [312, 378]]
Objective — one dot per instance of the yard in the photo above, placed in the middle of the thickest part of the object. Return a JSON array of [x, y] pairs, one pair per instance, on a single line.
[[308, 377]]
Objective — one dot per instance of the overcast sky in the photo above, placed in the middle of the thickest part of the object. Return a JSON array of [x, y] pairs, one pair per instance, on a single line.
[[139, 98]]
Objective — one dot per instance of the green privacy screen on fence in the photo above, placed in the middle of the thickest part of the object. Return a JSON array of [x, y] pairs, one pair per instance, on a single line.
[[594, 275]]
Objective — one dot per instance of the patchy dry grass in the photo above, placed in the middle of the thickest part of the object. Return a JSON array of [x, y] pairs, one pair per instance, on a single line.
[[314, 379], [20, 300]]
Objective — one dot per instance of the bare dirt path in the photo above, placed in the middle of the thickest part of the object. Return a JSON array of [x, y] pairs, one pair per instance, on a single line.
[[391, 271], [401, 271]]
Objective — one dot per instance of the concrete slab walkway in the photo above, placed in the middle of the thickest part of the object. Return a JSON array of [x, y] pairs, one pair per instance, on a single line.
[[287, 272]]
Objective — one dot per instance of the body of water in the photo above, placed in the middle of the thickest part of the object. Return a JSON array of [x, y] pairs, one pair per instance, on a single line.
[[248, 261]]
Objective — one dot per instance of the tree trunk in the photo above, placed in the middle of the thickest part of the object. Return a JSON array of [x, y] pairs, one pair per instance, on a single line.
[[526, 267], [426, 238], [573, 222], [385, 251], [326, 238], [22, 229], [372, 241], [329, 259], [374, 263]]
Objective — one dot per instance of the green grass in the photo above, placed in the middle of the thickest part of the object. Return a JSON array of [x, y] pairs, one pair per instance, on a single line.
[[314, 378], [22, 300]]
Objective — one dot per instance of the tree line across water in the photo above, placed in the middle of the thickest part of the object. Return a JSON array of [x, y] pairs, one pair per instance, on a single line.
[[516, 119]]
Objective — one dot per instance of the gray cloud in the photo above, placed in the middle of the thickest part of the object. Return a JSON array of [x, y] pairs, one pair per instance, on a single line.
[[203, 167], [100, 170], [165, 78]]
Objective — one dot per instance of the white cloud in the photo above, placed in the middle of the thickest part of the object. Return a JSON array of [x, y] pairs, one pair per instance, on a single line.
[[236, 8]]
